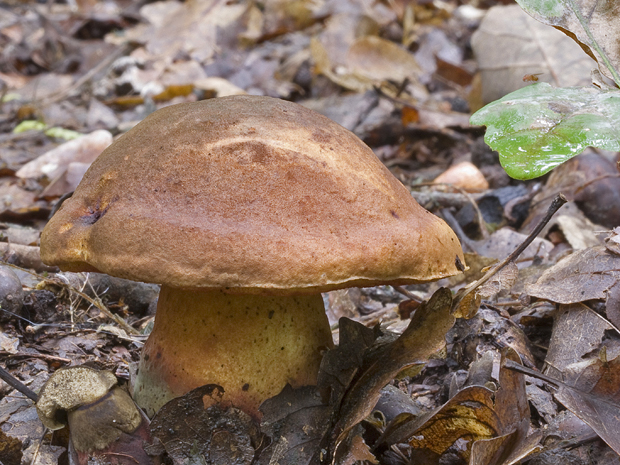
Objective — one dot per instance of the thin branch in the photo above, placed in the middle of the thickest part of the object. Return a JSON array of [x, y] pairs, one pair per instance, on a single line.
[[9, 379], [558, 201]]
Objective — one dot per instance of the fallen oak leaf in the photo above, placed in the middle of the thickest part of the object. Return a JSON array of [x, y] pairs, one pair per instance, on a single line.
[[584, 275], [494, 423], [424, 336], [469, 414]]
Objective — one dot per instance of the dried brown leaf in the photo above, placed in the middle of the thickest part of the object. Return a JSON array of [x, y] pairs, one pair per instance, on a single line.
[[357, 451], [468, 306], [196, 427], [585, 275], [602, 415], [296, 420], [601, 25], [469, 414], [424, 336]]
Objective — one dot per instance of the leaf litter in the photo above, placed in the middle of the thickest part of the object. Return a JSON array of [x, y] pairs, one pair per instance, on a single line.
[[425, 389]]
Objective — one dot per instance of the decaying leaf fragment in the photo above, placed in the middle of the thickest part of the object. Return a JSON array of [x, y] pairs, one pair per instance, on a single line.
[[612, 242], [504, 279], [296, 420], [197, 428]]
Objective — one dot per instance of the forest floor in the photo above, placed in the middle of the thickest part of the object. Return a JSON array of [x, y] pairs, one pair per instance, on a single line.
[[404, 77]]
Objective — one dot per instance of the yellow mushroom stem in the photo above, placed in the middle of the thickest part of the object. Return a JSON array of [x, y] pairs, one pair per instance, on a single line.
[[251, 345]]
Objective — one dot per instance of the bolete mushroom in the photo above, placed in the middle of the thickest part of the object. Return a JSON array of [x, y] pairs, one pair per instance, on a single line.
[[102, 417], [244, 209]]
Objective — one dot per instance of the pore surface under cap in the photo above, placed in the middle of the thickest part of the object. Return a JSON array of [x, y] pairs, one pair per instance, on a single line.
[[243, 193]]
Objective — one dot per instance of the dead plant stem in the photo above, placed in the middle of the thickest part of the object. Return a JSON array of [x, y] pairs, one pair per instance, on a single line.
[[557, 202]]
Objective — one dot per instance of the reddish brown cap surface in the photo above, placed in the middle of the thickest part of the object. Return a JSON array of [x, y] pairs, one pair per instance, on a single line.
[[248, 193]]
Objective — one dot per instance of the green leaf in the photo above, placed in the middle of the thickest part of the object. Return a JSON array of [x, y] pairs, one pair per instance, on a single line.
[[29, 125], [539, 127], [62, 133]]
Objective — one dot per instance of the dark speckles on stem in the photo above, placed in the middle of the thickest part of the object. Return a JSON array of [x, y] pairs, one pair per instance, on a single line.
[[271, 314]]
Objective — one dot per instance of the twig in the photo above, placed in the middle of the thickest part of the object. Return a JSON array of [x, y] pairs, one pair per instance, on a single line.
[[514, 366], [39, 356], [408, 294], [558, 201], [36, 451], [9, 379], [443, 199]]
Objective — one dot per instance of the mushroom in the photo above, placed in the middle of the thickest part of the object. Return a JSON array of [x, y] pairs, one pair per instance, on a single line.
[[97, 410], [244, 209]]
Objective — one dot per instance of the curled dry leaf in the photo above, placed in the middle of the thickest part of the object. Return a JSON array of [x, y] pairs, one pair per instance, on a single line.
[[494, 424], [470, 413], [424, 336]]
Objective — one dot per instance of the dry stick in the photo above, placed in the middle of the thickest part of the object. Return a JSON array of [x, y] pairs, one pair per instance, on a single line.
[[558, 201], [39, 356], [408, 294], [9, 379]]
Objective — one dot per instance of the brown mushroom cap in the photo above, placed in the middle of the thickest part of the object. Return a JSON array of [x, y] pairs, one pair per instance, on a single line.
[[251, 194], [70, 388]]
